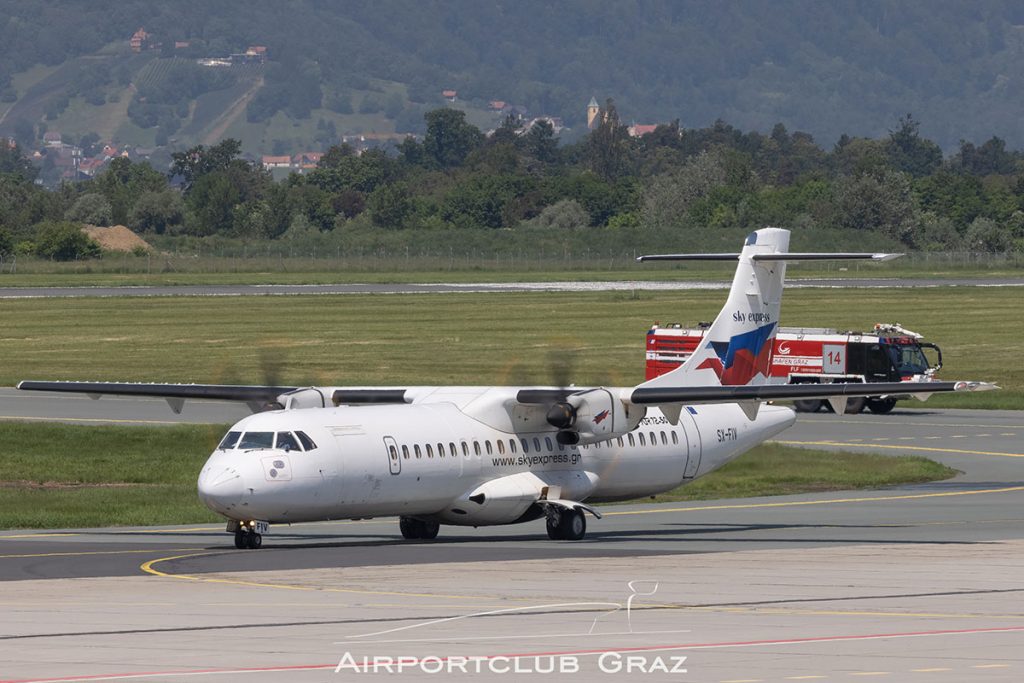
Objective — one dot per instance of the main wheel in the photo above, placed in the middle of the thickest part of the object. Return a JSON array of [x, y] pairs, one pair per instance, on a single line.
[[429, 530], [811, 405], [409, 527], [554, 528], [572, 526], [255, 541], [855, 405], [241, 542], [881, 406]]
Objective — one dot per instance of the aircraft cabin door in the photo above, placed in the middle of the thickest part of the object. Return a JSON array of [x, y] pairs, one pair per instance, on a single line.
[[692, 438], [394, 461]]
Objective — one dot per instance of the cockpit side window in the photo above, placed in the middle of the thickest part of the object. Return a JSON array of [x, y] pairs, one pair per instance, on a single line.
[[285, 441], [229, 441], [307, 442], [257, 440]]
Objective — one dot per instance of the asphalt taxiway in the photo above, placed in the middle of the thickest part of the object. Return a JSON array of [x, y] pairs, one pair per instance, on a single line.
[[912, 583]]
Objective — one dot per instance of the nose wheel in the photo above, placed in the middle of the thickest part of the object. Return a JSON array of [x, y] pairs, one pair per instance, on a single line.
[[248, 540]]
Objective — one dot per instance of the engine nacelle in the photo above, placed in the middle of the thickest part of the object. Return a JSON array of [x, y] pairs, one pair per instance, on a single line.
[[310, 397], [601, 415]]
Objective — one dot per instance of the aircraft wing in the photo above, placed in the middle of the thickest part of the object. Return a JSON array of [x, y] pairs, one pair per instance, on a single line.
[[175, 394], [766, 392]]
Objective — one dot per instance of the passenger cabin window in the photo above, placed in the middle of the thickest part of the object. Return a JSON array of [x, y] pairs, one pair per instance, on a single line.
[[664, 439], [416, 450], [620, 442], [476, 448], [641, 437], [451, 449], [440, 450], [287, 442], [526, 445], [405, 451], [501, 447], [393, 452], [465, 449], [251, 440], [230, 440], [512, 445], [547, 442], [430, 451], [536, 444], [631, 441], [675, 438], [307, 442]]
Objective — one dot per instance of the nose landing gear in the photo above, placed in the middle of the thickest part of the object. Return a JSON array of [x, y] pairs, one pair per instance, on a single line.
[[248, 540], [248, 535]]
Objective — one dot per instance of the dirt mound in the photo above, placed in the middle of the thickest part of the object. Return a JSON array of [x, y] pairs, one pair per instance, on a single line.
[[116, 238]]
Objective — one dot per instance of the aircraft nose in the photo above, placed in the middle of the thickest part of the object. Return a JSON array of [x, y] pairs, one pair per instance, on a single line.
[[221, 489]]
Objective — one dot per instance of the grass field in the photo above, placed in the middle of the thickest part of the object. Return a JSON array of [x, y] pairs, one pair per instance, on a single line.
[[67, 476], [502, 338]]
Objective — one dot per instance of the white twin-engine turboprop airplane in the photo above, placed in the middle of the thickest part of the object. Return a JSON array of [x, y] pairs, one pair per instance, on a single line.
[[477, 456]]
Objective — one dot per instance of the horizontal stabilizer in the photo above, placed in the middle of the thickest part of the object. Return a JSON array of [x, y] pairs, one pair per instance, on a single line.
[[792, 256]]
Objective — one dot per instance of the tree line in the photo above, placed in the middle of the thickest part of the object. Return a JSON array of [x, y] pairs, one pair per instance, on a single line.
[[675, 180]]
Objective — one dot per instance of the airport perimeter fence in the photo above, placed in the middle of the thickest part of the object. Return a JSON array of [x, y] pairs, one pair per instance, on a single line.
[[275, 258]]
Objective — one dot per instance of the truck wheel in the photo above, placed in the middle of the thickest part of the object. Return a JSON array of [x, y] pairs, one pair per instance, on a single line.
[[812, 405], [855, 405], [881, 406]]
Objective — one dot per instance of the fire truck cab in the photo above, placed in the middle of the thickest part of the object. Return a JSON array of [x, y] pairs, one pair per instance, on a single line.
[[889, 353]]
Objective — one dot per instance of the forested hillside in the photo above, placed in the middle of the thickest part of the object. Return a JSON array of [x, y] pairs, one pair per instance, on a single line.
[[356, 67], [521, 189]]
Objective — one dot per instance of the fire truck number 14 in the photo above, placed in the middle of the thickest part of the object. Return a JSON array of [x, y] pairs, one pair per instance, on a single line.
[[835, 357]]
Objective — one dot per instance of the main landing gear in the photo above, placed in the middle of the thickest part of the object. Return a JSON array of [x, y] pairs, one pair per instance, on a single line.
[[566, 525], [418, 529]]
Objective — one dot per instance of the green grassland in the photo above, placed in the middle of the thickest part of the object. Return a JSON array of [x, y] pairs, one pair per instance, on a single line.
[[67, 476], [499, 338]]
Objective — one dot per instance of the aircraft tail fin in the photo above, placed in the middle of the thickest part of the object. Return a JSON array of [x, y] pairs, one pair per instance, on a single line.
[[736, 350]]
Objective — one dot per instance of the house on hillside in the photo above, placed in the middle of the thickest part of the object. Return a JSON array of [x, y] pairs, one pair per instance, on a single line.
[[306, 161], [139, 40], [52, 138], [639, 129], [271, 162], [254, 54], [450, 95], [496, 105]]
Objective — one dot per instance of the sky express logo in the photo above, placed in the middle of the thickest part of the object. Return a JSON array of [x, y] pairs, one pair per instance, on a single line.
[[743, 357]]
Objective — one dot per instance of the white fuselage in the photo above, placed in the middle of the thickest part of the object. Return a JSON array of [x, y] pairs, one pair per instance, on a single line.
[[432, 460]]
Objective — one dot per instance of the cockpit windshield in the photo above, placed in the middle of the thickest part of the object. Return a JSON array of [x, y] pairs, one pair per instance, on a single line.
[[229, 441], [908, 359], [286, 441], [256, 440]]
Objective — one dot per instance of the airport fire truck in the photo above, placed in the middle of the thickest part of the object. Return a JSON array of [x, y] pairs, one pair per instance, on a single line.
[[889, 353]]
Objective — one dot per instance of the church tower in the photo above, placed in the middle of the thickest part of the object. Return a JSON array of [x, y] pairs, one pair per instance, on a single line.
[[592, 110]]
